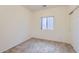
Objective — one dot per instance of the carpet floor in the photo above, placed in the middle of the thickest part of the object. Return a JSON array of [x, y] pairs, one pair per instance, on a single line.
[[35, 45]]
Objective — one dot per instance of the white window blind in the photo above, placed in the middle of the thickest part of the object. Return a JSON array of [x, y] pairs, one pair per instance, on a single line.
[[47, 23]]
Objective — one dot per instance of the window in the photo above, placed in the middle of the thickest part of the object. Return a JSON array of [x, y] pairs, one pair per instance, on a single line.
[[47, 23]]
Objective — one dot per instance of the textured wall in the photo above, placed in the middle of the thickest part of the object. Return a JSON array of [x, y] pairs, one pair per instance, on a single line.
[[14, 26], [61, 24]]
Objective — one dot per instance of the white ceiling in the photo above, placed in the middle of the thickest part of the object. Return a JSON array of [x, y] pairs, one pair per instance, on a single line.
[[40, 7]]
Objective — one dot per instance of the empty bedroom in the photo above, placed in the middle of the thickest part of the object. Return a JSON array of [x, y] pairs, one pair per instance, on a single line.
[[39, 28]]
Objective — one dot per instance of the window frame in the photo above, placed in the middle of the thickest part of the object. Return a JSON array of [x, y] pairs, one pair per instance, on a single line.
[[47, 28]]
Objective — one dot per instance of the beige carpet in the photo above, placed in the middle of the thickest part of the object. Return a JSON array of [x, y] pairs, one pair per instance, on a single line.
[[35, 45]]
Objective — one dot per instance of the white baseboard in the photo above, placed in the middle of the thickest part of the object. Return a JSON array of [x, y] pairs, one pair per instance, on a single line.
[[26, 38]]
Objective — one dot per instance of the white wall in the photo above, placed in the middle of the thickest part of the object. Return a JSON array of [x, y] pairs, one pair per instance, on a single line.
[[14, 26], [61, 30], [75, 28]]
